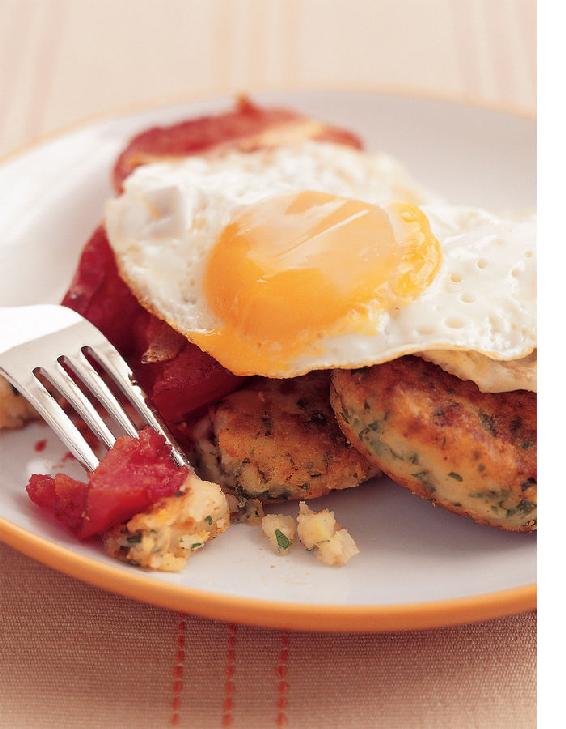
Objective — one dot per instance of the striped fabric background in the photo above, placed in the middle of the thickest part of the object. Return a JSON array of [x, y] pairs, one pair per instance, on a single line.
[[63, 60], [74, 656]]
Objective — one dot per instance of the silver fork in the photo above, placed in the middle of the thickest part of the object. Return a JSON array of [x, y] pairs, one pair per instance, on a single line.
[[38, 340]]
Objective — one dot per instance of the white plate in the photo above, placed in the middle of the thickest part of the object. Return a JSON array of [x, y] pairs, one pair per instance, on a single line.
[[418, 566]]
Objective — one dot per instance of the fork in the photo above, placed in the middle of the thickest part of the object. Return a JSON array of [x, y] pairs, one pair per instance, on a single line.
[[48, 340]]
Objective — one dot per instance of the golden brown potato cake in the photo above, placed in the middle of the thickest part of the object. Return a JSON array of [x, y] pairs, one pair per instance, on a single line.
[[473, 453], [278, 439]]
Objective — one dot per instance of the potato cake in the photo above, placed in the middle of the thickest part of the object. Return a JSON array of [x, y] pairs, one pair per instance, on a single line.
[[473, 453], [278, 439]]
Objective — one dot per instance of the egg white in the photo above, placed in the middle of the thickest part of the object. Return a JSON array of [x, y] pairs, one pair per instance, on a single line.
[[482, 299]]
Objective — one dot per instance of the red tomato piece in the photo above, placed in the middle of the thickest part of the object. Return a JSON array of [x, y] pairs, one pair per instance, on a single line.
[[41, 490], [62, 495], [248, 126], [136, 473], [177, 376], [155, 341], [187, 383], [99, 294]]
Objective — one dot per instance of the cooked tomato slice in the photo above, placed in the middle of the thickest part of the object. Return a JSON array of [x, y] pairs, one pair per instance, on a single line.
[[63, 495], [178, 377], [187, 383], [247, 127], [135, 474], [99, 294]]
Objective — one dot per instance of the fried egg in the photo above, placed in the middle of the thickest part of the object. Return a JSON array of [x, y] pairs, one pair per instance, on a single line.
[[313, 256]]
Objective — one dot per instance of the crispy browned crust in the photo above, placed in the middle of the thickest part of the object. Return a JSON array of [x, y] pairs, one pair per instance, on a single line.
[[278, 439], [473, 453]]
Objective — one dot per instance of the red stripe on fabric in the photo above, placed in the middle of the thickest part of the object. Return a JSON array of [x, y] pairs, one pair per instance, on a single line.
[[229, 672], [178, 670], [282, 685]]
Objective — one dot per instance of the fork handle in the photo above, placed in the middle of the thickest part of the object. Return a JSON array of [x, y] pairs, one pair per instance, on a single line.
[[21, 324]]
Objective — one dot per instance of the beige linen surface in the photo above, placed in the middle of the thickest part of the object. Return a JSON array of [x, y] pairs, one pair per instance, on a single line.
[[74, 656]]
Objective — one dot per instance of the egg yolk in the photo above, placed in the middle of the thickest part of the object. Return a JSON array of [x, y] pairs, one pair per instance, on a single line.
[[293, 268]]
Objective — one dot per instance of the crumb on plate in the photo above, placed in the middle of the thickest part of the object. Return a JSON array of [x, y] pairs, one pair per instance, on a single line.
[[280, 530], [243, 510], [319, 532]]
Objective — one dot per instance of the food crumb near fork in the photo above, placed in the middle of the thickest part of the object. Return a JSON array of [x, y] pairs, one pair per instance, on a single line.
[[318, 532]]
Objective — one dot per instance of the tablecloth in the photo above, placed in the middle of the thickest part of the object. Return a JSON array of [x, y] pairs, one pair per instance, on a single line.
[[75, 656]]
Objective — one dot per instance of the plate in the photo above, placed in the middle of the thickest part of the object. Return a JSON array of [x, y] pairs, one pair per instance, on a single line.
[[419, 566]]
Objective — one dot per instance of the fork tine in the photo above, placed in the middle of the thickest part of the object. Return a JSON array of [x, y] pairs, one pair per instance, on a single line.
[[41, 337], [83, 368], [64, 383], [60, 422], [113, 363]]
